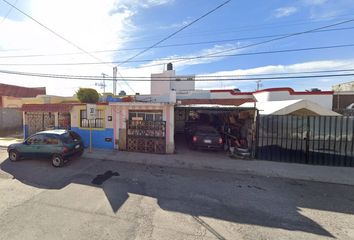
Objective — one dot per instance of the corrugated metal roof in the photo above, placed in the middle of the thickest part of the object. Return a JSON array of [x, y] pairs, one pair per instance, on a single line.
[[212, 106]]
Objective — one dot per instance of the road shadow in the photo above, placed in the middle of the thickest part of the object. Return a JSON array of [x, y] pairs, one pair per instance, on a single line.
[[246, 202]]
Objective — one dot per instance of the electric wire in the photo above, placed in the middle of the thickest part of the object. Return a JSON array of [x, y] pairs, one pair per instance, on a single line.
[[261, 43], [165, 46], [8, 13], [55, 33], [176, 32], [185, 58], [204, 79]]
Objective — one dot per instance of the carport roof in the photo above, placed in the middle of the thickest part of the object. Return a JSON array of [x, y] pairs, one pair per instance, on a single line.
[[214, 107], [289, 106]]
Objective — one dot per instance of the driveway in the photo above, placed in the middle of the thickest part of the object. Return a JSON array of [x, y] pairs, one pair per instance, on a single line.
[[98, 199]]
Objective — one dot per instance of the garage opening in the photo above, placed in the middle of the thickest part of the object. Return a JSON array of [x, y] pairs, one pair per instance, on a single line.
[[226, 129]]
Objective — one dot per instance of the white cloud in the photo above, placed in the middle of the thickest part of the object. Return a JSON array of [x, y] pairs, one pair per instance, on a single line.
[[134, 5], [158, 66], [213, 51], [92, 25], [284, 11], [314, 2], [279, 69], [177, 25]]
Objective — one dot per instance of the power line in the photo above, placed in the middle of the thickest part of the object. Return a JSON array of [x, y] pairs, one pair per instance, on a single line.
[[169, 45], [174, 33], [209, 79], [246, 28], [8, 13], [53, 32], [197, 76], [185, 58], [266, 41]]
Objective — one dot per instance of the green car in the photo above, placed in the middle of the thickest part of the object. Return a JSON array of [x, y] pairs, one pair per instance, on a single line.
[[54, 144]]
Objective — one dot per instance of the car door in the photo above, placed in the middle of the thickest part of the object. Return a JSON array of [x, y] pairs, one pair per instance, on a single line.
[[51, 145], [32, 146]]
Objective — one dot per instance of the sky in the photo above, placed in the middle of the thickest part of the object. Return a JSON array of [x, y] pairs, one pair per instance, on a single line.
[[90, 37]]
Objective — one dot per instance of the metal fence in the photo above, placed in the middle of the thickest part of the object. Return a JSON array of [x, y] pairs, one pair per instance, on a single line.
[[322, 140]]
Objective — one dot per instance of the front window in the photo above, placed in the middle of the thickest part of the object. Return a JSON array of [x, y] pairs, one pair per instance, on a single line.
[[50, 140], [152, 116], [98, 122], [35, 140]]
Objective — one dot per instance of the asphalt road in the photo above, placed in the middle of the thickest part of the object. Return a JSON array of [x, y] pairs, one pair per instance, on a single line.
[[94, 199]]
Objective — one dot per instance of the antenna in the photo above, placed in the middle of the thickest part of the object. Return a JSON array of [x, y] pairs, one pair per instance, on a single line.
[[115, 70], [259, 85]]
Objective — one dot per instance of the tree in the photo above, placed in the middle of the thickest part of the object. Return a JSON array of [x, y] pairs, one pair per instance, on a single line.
[[87, 95]]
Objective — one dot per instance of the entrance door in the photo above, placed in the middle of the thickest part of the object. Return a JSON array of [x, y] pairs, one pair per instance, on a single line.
[[64, 121], [146, 136]]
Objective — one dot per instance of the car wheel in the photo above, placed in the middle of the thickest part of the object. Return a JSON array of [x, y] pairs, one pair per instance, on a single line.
[[14, 156], [57, 160]]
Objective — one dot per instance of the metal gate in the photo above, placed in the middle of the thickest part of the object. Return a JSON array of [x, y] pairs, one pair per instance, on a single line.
[[322, 140], [146, 136], [38, 121], [64, 121]]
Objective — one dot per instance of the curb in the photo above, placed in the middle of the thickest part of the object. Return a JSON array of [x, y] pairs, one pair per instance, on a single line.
[[5, 175]]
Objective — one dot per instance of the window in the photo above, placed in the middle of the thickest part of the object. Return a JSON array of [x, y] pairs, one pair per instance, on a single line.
[[35, 140], [50, 140], [70, 136], [97, 123], [146, 116]]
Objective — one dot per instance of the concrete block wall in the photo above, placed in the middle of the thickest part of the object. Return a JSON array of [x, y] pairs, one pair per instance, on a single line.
[[10, 121]]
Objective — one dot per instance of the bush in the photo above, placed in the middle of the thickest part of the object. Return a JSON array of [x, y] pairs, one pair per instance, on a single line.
[[87, 95]]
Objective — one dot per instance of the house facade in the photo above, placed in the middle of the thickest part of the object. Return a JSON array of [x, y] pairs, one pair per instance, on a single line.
[[11, 96], [126, 126], [143, 127], [101, 127], [40, 117]]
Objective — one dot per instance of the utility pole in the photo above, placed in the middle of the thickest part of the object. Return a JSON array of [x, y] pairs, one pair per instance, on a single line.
[[115, 70]]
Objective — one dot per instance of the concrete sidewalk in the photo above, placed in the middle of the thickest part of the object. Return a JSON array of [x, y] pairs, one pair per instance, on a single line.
[[223, 163], [6, 141]]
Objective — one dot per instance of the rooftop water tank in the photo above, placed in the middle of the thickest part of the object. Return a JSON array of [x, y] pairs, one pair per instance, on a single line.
[[169, 67]]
